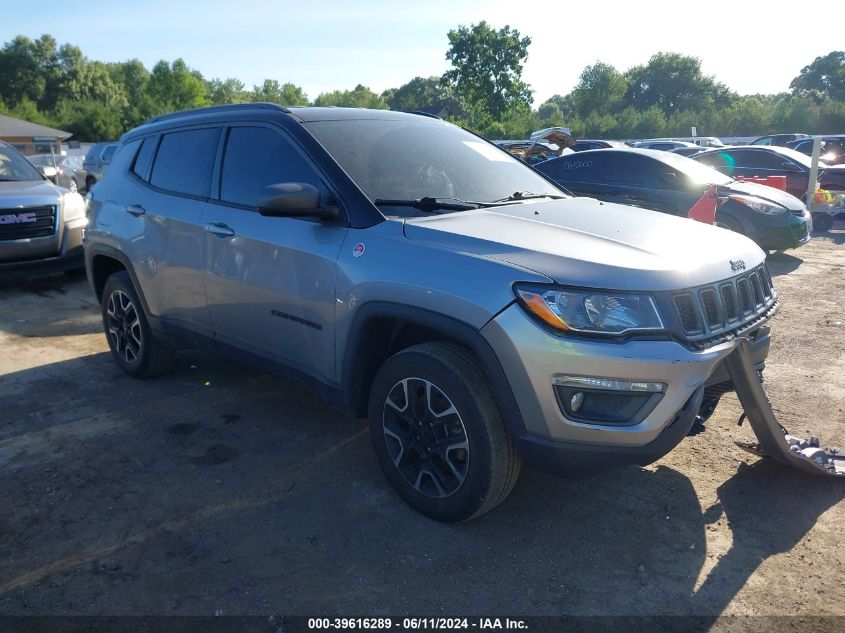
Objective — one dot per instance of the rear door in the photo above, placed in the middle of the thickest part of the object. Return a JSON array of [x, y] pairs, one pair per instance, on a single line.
[[270, 281], [168, 185]]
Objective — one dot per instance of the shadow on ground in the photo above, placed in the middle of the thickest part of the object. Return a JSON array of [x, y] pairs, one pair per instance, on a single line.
[[215, 489]]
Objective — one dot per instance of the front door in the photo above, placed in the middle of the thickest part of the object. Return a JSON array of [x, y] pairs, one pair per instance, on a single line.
[[270, 281]]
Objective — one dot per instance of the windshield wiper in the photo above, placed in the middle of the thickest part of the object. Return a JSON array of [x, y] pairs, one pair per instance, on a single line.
[[432, 204], [527, 195]]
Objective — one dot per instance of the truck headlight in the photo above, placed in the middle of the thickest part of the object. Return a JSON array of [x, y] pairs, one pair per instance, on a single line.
[[758, 204], [589, 311], [73, 207]]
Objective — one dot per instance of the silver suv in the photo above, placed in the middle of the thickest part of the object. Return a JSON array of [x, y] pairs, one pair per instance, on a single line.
[[420, 276], [40, 224]]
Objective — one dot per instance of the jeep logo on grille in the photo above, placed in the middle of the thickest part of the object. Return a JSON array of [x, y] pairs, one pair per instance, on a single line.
[[18, 218], [737, 264]]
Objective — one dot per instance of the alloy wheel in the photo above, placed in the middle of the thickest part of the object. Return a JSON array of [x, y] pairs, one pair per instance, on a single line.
[[425, 437], [124, 326]]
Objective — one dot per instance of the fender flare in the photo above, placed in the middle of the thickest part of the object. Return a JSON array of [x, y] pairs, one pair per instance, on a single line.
[[354, 354]]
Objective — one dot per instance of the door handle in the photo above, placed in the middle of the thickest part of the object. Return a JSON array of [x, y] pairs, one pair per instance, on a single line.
[[219, 229], [135, 209]]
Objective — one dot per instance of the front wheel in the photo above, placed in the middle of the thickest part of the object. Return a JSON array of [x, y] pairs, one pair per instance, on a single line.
[[727, 222], [131, 341], [438, 433]]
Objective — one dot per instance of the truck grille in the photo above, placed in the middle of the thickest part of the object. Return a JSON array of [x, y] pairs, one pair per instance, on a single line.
[[716, 310], [26, 222]]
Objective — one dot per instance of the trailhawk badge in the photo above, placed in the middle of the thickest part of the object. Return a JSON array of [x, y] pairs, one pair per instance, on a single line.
[[358, 250]]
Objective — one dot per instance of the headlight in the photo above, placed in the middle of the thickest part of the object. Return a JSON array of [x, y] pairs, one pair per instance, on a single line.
[[73, 207], [590, 311], [759, 205]]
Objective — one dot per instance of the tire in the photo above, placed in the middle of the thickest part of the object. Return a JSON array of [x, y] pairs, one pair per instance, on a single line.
[[822, 222], [459, 461], [133, 346], [727, 222]]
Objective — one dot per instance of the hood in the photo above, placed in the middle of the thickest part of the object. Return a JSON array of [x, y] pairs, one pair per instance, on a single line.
[[28, 193], [770, 194], [584, 242]]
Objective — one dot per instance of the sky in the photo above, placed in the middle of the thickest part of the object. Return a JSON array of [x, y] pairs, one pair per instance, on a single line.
[[327, 45]]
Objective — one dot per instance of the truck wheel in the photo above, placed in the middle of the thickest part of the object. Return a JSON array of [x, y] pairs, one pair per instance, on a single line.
[[438, 434], [822, 221], [132, 344]]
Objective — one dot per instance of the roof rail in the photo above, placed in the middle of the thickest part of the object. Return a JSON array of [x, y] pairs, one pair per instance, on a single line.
[[217, 108], [428, 114]]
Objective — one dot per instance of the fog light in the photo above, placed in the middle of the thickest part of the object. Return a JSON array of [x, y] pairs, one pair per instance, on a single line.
[[599, 400]]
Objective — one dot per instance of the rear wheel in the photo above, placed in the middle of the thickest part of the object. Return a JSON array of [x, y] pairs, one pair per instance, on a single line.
[[133, 345], [822, 221], [438, 434]]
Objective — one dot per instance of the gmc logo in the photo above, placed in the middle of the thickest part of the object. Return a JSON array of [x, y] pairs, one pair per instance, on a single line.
[[18, 218]]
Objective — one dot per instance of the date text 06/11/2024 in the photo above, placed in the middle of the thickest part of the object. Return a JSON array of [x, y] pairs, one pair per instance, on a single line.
[[414, 624]]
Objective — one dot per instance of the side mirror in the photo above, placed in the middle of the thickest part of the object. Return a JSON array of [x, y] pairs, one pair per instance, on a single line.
[[293, 200], [49, 172]]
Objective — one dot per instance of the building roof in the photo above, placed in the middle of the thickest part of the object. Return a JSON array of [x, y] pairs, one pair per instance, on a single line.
[[17, 128]]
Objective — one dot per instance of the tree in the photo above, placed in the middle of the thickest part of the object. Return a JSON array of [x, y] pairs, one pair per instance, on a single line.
[[359, 97], [221, 91], [176, 87], [425, 92], [272, 91], [825, 76], [487, 69], [673, 82], [601, 88]]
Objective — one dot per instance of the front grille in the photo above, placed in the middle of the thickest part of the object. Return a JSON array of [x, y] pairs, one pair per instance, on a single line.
[[26, 222], [715, 311]]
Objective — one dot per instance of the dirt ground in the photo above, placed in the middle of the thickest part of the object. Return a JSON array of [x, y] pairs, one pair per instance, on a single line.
[[220, 490]]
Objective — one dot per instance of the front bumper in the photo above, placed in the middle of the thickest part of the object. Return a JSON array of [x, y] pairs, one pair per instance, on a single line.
[[531, 357], [781, 232], [62, 251]]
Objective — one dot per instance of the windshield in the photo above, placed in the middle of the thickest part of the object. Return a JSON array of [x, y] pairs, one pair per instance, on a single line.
[[403, 159], [13, 166], [698, 173]]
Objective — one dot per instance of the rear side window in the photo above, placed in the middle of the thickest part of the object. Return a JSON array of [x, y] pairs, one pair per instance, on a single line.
[[574, 168], [256, 157], [141, 168], [185, 160]]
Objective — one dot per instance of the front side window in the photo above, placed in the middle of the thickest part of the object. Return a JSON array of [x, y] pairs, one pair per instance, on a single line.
[[410, 159], [185, 160], [256, 157]]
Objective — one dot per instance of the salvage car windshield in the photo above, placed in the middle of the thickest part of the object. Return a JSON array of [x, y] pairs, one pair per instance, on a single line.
[[13, 166], [408, 159]]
